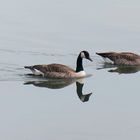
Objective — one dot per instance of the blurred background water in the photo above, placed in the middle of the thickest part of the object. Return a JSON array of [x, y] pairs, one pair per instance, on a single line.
[[105, 106]]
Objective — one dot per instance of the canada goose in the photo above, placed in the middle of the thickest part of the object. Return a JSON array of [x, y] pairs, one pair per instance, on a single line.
[[123, 58], [61, 71]]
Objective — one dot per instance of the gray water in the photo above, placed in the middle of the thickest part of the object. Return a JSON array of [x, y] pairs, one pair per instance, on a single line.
[[105, 106]]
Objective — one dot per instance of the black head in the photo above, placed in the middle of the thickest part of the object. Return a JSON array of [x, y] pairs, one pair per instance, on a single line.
[[85, 54]]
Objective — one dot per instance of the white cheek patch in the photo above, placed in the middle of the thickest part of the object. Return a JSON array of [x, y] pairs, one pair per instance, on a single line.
[[82, 55], [82, 98]]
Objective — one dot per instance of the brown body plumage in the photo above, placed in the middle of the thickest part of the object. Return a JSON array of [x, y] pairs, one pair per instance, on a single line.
[[61, 71], [53, 70], [123, 58]]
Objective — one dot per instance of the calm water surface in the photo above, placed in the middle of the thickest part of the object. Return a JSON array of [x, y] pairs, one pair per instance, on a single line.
[[104, 106]]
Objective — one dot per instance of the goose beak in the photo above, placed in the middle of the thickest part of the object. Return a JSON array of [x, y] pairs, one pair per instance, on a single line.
[[90, 59]]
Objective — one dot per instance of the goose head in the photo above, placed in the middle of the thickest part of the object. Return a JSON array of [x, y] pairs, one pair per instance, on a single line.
[[85, 54]]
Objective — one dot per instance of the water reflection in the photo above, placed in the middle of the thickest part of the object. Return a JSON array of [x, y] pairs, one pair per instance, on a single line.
[[120, 69], [61, 83], [79, 90], [50, 83]]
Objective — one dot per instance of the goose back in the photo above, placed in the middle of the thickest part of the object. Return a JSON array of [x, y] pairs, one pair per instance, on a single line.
[[55, 70], [124, 58]]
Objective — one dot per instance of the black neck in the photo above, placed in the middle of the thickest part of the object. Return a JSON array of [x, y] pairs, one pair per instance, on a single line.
[[79, 66]]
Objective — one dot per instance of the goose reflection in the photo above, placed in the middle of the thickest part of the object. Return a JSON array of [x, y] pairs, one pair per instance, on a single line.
[[126, 69], [79, 89], [120, 69], [50, 83], [61, 83]]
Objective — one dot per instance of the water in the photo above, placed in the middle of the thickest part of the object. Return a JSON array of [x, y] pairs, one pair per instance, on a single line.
[[104, 106]]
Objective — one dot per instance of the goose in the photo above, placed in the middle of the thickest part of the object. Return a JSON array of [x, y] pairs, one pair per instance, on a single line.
[[123, 58], [61, 71]]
